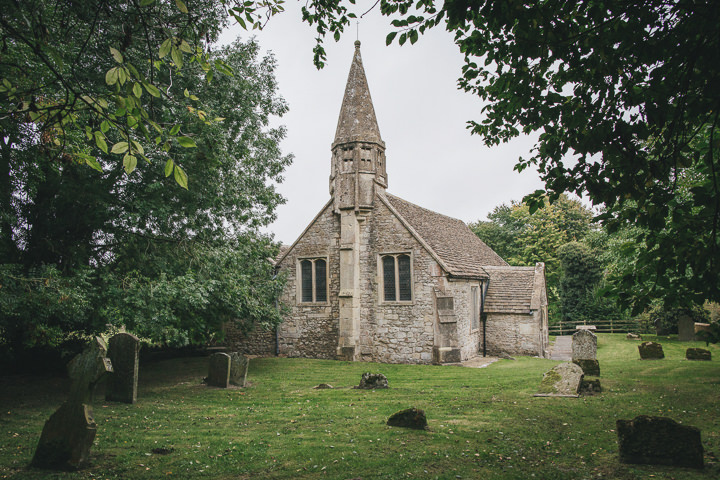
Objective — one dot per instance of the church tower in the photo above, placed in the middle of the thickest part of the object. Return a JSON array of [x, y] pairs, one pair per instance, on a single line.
[[357, 173], [358, 152]]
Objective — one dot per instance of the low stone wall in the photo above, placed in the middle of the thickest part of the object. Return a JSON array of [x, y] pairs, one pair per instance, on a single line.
[[514, 334], [258, 342]]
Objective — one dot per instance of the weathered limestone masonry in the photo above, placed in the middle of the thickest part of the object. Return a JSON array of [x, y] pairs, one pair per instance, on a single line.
[[311, 329], [377, 278], [258, 342]]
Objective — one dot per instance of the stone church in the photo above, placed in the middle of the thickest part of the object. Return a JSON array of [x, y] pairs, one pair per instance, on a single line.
[[377, 278]]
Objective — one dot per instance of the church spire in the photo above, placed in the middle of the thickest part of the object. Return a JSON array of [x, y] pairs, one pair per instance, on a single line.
[[358, 160], [357, 121]]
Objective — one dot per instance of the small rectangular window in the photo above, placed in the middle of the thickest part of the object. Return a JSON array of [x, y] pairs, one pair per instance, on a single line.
[[306, 269], [313, 280], [397, 278], [389, 278], [320, 281], [404, 279]]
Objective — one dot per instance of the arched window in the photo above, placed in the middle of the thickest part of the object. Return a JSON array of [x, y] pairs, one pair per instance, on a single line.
[[313, 280], [397, 278]]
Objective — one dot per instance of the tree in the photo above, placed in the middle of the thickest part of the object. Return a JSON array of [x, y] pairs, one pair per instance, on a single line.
[[623, 97], [524, 238], [106, 70], [581, 275], [82, 249]]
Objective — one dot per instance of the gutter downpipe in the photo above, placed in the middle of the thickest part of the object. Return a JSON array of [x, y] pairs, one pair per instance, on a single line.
[[483, 317]]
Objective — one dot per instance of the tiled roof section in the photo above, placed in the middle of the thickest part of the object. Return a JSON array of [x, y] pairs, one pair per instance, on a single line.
[[453, 242], [510, 289]]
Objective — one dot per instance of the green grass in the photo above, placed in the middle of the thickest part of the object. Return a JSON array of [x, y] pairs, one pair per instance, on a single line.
[[484, 423]]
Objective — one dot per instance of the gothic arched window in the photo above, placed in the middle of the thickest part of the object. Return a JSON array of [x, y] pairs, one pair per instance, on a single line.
[[397, 278]]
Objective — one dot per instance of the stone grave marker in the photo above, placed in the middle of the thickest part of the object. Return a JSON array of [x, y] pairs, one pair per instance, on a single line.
[[584, 352], [562, 381], [409, 418], [659, 441], [370, 381], [698, 354], [686, 329], [123, 351], [219, 370], [239, 365], [69, 433], [651, 351], [633, 336]]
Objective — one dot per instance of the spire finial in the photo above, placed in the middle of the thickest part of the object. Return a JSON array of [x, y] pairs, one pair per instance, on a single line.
[[357, 44]]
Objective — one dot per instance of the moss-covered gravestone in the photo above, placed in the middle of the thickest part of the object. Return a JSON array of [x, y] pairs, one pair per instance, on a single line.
[[562, 381], [651, 351], [659, 441], [698, 354], [68, 434], [409, 418], [584, 352], [123, 351], [219, 370]]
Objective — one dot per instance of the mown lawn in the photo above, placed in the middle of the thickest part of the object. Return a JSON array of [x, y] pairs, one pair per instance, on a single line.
[[484, 423]]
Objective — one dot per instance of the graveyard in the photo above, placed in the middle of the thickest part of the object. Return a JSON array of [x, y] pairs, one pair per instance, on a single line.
[[481, 423]]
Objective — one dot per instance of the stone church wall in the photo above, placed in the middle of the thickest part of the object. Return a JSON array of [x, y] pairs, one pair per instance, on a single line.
[[515, 334], [396, 332], [312, 330], [257, 342]]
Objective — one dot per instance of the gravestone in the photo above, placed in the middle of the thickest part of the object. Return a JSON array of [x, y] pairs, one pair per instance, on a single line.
[[584, 345], [698, 354], [686, 329], [123, 351], [633, 336], [219, 370], [562, 381], [69, 433], [584, 352], [590, 387], [239, 365], [324, 386], [651, 351], [659, 441], [409, 418], [370, 381]]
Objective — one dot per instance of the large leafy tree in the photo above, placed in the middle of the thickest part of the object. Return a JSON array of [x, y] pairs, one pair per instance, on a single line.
[[80, 249], [623, 97]]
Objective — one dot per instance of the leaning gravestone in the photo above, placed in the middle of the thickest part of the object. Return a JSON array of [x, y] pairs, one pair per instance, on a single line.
[[651, 351], [409, 418], [219, 370], [659, 441], [370, 381], [698, 354], [633, 336], [123, 351], [68, 434], [562, 381], [239, 365], [686, 329], [584, 352]]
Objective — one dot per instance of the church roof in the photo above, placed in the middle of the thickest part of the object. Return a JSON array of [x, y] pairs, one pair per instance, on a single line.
[[514, 289], [357, 120], [460, 251]]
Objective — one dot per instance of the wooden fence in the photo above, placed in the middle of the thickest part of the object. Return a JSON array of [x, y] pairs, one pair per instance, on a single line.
[[602, 326]]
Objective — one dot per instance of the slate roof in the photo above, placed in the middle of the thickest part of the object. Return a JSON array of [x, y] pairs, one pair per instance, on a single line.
[[463, 254], [510, 289]]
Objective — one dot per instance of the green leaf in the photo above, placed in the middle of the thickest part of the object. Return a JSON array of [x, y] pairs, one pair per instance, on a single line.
[[122, 75], [181, 177], [390, 37], [175, 129], [169, 167], [181, 6], [111, 76], [137, 147], [176, 57], [165, 47], [93, 163], [120, 147], [100, 141], [186, 142], [413, 36], [185, 47], [116, 55], [137, 90], [152, 89], [129, 163], [104, 126]]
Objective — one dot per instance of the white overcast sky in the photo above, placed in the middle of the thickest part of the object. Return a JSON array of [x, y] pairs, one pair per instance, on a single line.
[[432, 160]]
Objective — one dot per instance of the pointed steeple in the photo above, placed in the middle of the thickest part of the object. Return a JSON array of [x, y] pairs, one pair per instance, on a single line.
[[357, 170], [357, 121]]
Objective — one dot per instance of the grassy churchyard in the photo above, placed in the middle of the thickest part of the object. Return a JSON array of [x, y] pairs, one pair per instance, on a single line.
[[484, 423]]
